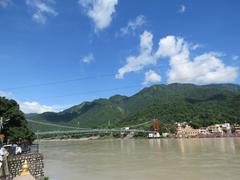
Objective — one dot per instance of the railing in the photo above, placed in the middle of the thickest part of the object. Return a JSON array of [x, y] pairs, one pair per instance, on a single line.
[[34, 148]]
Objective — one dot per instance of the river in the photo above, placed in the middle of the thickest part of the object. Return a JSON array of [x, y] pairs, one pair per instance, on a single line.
[[142, 159]]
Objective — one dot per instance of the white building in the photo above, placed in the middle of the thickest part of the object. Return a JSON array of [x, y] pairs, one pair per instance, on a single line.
[[226, 127], [154, 135], [219, 128], [203, 131], [215, 128]]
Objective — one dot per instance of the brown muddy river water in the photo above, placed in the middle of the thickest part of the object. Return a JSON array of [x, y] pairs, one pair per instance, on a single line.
[[142, 159]]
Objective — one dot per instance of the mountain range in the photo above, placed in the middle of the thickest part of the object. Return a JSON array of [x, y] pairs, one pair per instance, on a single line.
[[200, 105]]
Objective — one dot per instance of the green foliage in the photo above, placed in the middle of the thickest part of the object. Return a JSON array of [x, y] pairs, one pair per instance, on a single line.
[[198, 105], [16, 128]]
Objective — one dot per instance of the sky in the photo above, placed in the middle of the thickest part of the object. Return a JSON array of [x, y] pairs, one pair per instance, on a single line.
[[58, 53]]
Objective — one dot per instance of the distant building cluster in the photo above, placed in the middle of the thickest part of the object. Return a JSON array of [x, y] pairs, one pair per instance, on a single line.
[[217, 130]]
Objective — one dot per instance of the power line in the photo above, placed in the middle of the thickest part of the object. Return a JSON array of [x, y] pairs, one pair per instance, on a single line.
[[58, 82], [55, 125], [96, 91], [106, 90], [86, 78], [72, 80]]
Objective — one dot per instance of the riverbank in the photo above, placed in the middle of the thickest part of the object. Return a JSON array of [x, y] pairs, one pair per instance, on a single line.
[[70, 139], [111, 137]]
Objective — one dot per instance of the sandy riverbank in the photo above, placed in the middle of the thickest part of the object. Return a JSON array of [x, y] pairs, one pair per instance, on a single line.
[[70, 139]]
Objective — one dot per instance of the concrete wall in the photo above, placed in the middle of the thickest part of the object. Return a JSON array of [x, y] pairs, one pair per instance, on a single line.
[[35, 162]]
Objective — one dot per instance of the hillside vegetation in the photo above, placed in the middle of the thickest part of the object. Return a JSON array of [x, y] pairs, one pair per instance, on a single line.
[[198, 105], [14, 123]]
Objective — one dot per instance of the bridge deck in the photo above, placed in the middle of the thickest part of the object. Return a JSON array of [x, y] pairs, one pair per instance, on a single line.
[[92, 131]]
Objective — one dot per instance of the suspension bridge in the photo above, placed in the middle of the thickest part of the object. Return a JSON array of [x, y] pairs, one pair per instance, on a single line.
[[78, 130], [92, 131]]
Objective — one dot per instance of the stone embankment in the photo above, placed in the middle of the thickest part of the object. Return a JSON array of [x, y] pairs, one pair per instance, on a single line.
[[35, 161]]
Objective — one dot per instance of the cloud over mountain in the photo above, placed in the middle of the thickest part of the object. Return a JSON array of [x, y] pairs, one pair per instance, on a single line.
[[151, 77], [202, 69], [145, 57]]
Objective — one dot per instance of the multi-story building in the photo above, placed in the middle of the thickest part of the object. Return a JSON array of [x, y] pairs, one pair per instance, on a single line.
[[219, 129], [190, 132], [216, 128], [203, 131], [185, 131], [181, 129], [237, 130], [226, 128]]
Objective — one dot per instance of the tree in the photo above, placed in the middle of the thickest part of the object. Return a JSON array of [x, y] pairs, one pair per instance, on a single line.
[[16, 127]]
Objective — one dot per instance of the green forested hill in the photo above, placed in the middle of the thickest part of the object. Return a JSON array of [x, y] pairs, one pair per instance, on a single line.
[[200, 105]]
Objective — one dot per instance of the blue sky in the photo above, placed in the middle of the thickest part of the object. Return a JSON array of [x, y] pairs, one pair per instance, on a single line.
[[54, 54]]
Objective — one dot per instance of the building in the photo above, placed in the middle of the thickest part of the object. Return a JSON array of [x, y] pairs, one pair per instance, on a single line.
[[185, 131], [154, 135], [237, 130], [203, 131], [181, 129], [216, 128], [192, 132], [226, 127], [220, 129], [165, 134]]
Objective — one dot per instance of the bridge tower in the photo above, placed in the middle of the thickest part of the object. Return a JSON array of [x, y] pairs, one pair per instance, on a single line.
[[155, 125]]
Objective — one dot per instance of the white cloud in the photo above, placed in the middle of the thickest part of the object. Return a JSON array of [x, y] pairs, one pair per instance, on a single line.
[[151, 77], [41, 8], [6, 94], [133, 25], [35, 107], [59, 108], [182, 9], [235, 57], [5, 3], [203, 69], [100, 11], [196, 46], [88, 59], [136, 63]]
